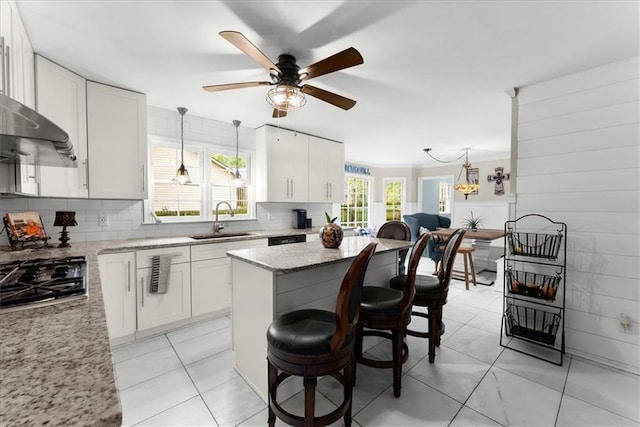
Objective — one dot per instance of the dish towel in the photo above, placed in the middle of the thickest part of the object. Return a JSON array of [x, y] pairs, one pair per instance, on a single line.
[[160, 270]]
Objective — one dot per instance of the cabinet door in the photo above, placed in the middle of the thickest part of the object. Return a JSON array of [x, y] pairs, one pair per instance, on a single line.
[[160, 309], [210, 286], [282, 157], [62, 97], [117, 142], [326, 170], [117, 277]]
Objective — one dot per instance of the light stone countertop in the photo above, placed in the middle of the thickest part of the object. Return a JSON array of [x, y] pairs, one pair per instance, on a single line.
[[55, 361], [301, 256]]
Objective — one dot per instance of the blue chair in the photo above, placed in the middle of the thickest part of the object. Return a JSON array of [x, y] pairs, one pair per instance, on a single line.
[[431, 222]]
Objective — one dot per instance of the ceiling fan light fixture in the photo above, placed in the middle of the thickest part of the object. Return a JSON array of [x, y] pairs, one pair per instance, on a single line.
[[286, 98]]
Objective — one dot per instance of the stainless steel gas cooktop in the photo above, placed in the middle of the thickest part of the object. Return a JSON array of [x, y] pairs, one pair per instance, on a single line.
[[38, 282]]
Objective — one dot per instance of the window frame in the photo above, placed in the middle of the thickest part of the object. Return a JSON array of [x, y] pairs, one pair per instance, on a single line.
[[205, 150], [369, 178], [403, 194]]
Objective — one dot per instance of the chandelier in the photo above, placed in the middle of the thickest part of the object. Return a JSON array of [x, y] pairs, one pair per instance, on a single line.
[[467, 185], [286, 98]]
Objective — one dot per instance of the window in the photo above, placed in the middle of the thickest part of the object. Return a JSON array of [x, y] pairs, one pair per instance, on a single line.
[[212, 173], [394, 198], [444, 201], [354, 212]]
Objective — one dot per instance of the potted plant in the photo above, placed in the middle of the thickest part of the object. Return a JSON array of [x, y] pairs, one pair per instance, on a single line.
[[473, 223], [331, 233]]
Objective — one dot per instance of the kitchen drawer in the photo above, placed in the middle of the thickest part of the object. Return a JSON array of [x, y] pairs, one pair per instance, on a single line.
[[210, 251], [182, 254]]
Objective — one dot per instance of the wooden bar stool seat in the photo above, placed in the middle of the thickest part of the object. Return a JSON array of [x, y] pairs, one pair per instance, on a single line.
[[467, 256]]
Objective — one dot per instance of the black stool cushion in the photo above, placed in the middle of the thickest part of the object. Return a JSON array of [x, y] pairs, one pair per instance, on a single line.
[[304, 332], [376, 299], [426, 286]]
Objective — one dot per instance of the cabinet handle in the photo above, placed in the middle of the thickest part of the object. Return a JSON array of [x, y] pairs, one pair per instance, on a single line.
[[287, 187], [291, 187], [128, 276], [331, 190], [7, 71], [143, 178], [2, 67], [142, 292], [86, 174]]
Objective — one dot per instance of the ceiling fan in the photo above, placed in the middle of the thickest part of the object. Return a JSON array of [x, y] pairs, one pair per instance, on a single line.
[[287, 76]]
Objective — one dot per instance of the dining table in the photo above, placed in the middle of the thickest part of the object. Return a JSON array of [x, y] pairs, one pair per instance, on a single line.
[[481, 241]]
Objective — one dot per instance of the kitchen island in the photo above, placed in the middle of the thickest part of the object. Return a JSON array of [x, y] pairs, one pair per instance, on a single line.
[[268, 282]]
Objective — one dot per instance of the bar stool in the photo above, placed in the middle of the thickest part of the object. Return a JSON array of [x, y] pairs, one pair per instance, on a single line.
[[312, 343], [396, 230], [432, 292], [386, 312], [467, 256]]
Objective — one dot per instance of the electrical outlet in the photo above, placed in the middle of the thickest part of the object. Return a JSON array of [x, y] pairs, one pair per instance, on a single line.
[[625, 324], [103, 220]]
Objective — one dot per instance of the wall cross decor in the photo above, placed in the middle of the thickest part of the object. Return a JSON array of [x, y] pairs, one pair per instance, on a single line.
[[498, 178]]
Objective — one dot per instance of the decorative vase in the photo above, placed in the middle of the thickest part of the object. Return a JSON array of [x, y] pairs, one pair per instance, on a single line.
[[331, 235]]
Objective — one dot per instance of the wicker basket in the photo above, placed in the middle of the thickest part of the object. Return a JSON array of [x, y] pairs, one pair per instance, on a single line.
[[531, 323], [535, 244], [534, 285]]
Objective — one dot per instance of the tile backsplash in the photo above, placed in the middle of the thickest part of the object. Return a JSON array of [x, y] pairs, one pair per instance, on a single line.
[[125, 218]]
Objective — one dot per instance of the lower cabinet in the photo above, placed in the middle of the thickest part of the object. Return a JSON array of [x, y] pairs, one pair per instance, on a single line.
[[118, 278], [158, 309], [211, 286]]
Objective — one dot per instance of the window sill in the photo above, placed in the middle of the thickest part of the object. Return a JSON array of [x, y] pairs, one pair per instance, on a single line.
[[162, 220]]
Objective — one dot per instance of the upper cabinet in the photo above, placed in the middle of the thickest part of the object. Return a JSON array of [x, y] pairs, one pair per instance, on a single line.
[[62, 98], [326, 170], [282, 165], [294, 167], [16, 56], [117, 136]]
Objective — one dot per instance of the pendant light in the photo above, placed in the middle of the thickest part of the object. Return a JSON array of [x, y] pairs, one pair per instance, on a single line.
[[238, 178], [182, 176], [465, 186]]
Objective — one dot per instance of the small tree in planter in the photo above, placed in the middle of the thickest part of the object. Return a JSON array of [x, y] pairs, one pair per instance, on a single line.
[[473, 223], [331, 234]]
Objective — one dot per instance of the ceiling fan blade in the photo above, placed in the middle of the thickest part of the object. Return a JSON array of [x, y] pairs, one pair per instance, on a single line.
[[330, 97], [241, 42], [218, 88], [278, 113], [341, 60]]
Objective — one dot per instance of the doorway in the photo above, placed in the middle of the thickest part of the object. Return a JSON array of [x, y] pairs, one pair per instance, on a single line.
[[435, 195]]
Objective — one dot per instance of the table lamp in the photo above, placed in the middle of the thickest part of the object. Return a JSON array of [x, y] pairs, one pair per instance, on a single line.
[[64, 219]]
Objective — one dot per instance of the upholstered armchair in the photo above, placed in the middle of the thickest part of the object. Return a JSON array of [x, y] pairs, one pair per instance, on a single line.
[[430, 222]]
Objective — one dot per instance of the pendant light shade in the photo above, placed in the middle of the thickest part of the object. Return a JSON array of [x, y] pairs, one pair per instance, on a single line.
[[238, 177], [182, 175]]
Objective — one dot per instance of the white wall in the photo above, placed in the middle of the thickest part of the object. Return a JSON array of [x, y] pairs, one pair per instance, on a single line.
[[578, 162], [126, 216]]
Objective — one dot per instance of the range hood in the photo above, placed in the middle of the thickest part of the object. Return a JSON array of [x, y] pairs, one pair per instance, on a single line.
[[27, 137]]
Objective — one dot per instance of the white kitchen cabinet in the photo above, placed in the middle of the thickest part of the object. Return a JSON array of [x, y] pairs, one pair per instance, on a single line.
[[117, 142], [118, 280], [282, 165], [16, 73], [211, 275], [326, 170], [159, 309], [62, 98]]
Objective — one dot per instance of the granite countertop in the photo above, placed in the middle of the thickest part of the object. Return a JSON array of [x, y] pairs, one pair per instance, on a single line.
[[301, 256], [55, 361]]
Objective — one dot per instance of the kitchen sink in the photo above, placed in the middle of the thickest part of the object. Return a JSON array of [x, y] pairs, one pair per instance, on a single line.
[[219, 235]]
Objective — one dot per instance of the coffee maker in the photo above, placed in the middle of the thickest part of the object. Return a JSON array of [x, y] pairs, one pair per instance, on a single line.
[[299, 218]]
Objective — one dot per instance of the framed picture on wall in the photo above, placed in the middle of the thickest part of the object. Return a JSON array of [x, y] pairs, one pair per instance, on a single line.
[[473, 177], [23, 228]]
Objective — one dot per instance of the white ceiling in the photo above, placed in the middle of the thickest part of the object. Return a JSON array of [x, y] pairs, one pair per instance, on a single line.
[[434, 72]]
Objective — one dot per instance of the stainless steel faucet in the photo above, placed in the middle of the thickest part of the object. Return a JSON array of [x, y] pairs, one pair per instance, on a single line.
[[217, 225]]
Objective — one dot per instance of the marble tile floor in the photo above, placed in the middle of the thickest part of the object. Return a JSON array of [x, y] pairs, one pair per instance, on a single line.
[[185, 377]]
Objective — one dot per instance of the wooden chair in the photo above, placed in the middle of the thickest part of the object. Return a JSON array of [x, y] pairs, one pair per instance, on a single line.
[[469, 268], [384, 309], [431, 292], [396, 230], [312, 343]]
